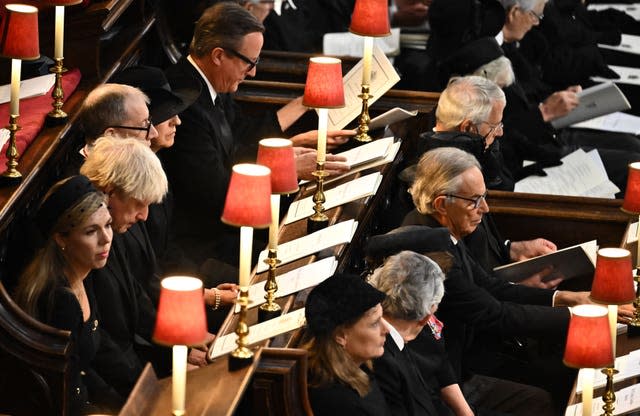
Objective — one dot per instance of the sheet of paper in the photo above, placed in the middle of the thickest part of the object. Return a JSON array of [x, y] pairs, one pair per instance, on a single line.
[[627, 75], [627, 365], [595, 101], [376, 149], [580, 174], [383, 77], [388, 158], [29, 87], [259, 332], [4, 136], [632, 234], [340, 233], [294, 281], [361, 187], [392, 116], [616, 122], [632, 10], [627, 399], [350, 44], [629, 44]]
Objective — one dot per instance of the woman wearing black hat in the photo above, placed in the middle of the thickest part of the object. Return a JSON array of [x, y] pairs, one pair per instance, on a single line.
[[344, 322], [54, 288]]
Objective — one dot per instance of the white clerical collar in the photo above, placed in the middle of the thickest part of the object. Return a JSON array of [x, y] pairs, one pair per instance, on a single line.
[[500, 38], [454, 240], [212, 92], [395, 335]]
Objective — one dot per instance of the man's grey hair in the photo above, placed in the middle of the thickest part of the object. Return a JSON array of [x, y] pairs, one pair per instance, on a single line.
[[467, 98], [525, 5], [106, 106], [439, 173], [413, 284], [127, 165], [499, 71], [223, 25]]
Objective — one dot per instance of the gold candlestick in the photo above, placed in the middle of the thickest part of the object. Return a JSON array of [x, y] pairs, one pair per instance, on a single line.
[[242, 355], [270, 309], [11, 176], [609, 396], [319, 219], [362, 134], [57, 116]]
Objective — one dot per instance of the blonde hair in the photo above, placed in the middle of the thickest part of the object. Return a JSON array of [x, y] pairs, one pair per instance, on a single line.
[[329, 362], [45, 272], [129, 166]]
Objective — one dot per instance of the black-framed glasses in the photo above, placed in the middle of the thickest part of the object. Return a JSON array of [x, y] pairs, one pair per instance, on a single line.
[[146, 128], [536, 15], [476, 201], [251, 62]]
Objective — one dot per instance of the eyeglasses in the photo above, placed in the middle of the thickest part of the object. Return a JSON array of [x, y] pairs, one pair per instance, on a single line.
[[539, 17], [476, 201], [146, 128], [252, 63], [492, 128]]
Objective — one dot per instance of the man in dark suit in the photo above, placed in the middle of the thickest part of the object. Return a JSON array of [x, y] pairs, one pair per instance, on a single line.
[[215, 135]]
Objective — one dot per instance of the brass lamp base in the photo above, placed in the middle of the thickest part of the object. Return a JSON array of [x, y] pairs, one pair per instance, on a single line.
[[609, 396], [319, 219], [362, 133], [11, 176], [57, 116], [270, 309]]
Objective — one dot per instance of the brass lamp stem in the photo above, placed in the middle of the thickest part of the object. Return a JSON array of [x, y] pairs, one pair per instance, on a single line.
[[362, 134], [57, 116], [11, 176], [609, 396], [319, 219], [270, 309], [242, 355]]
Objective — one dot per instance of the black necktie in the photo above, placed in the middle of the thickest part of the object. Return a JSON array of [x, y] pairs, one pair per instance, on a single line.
[[222, 125]]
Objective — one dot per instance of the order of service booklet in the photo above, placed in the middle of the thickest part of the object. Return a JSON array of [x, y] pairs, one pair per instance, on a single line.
[[570, 262], [595, 101]]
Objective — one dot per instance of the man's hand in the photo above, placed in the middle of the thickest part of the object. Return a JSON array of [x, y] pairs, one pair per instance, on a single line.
[[306, 163], [625, 313], [567, 298], [560, 103], [334, 138], [522, 250], [541, 279]]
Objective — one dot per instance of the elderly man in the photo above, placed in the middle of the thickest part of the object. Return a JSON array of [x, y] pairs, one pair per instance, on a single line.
[[214, 135], [409, 371]]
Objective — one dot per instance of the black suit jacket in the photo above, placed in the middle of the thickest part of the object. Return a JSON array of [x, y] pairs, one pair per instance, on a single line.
[[404, 389], [475, 301], [199, 164]]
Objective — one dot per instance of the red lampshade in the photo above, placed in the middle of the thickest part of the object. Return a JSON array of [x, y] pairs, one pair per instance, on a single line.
[[370, 18], [19, 32], [324, 88], [277, 155], [631, 203], [181, 318], [248, 200], [588, 339], [613, 279]]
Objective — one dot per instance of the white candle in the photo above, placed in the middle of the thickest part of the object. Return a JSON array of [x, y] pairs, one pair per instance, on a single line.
[[323, 121], [14, 108], [275, 222], [179, 381], [366, 61], [59, 33], [587, 391], [246, 236], [638, 244], [613, 321]]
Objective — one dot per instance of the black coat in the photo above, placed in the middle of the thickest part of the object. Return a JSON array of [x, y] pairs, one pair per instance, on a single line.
[[199, 164], [404, 388]]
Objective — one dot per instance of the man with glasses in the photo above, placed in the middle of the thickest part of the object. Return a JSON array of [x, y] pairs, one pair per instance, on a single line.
[[215, 135]]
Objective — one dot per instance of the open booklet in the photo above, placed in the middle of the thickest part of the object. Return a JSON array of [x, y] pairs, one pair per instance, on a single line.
[[259, 332], [392, 116], [628, 75], [628, 44], [567, 263], [617, 122], [595, 101], [383, 77], [581, 174]]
